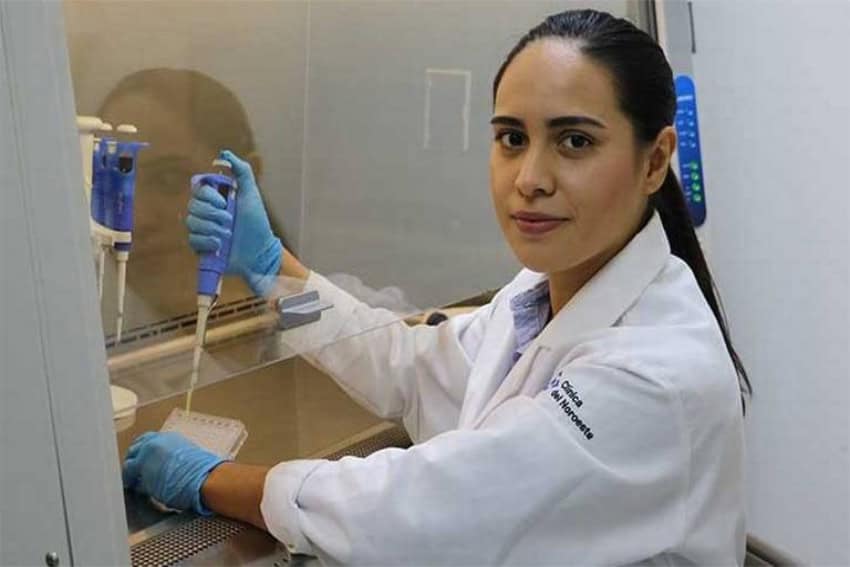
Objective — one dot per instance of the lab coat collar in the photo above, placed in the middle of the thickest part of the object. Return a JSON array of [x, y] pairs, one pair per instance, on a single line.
[[613, 289], [597, 305]]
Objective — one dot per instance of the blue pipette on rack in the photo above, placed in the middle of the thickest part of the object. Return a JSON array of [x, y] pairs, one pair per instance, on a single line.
[[112, 204], [212, 265]]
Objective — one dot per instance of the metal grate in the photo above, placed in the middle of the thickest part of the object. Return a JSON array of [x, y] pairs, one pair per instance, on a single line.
[[182, 542], [187, 540], [222, 312], [395, 437]]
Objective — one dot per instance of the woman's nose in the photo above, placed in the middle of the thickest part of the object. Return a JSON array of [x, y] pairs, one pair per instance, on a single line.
[[535, 178]]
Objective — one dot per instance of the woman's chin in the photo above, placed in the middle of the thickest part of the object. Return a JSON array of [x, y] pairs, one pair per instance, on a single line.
[[536, 264]]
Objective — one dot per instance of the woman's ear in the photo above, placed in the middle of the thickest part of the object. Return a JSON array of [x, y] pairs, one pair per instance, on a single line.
[[659, 159], [256, 162]]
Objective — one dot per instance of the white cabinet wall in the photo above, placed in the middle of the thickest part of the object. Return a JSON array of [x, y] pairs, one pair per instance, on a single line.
[[60, 488], [773, 82]]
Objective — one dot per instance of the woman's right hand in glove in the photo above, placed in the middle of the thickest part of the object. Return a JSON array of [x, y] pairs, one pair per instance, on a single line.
[[255, 252]]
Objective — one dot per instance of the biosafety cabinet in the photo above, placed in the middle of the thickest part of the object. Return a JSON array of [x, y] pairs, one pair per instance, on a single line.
[[366, 123]]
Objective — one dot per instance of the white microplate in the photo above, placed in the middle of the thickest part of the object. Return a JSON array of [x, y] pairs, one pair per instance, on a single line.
[[123, 407], [220, 435]]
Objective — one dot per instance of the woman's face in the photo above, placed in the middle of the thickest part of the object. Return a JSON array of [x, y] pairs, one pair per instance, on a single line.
[[568, 181]]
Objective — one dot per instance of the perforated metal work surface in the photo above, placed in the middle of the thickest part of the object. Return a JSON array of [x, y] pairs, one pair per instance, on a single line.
[[208, 541], [183, 542]]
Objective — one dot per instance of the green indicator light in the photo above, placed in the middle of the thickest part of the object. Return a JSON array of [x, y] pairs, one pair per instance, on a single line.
[[697, 198], [696, 176], [697, 187], [694, 165]]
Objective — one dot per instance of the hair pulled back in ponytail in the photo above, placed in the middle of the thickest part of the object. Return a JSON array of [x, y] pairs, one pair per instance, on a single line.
[[643, 81]]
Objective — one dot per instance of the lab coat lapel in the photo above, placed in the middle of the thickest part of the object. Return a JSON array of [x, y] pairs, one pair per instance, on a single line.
[[612, 290], [492, 364], [597, 305]]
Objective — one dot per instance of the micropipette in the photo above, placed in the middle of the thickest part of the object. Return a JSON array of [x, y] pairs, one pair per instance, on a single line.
[[212, 265], [112, 204]]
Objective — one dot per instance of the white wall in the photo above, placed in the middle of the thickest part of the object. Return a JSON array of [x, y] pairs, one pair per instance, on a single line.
[[774, 92]]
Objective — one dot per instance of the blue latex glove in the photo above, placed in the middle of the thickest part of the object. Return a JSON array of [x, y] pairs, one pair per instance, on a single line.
[[255, 252], [170, 468]]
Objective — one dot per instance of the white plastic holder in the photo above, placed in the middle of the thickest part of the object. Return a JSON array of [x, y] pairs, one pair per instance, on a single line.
[[87, 126]]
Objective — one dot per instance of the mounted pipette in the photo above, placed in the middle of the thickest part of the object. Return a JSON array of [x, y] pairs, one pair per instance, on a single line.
[[212, 265], [95, 182], [111, 194]]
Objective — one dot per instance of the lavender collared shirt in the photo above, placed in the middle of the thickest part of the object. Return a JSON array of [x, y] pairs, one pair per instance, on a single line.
[[530, 311]]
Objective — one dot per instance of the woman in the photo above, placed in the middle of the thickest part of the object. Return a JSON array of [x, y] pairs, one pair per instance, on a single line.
[[591, 414]]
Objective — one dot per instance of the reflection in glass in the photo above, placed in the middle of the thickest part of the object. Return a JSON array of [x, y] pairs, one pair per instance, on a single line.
[[187, 117]]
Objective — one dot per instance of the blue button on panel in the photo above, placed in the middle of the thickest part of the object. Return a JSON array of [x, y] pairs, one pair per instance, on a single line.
[[690, 157]]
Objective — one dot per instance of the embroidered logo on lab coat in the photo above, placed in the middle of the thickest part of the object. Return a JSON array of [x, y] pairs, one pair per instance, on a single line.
[[565, 394]]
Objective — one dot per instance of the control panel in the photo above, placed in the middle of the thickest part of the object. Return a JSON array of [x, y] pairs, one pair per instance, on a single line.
[[690, 157]]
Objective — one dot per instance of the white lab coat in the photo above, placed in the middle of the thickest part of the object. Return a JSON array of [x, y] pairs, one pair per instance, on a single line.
[[615, 439]]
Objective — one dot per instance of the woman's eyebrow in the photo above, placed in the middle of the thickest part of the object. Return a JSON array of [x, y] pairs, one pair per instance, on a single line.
[[552, 123], [507, 121], [562, 121]]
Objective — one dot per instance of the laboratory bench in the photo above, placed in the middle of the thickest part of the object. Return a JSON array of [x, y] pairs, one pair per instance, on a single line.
[[291, 410]]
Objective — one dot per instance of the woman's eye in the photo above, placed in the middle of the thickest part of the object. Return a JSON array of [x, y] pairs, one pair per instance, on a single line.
[[511, 140], [576, 142]]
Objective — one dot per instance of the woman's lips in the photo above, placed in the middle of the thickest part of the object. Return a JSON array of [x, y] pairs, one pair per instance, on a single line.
[[536, 223]]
